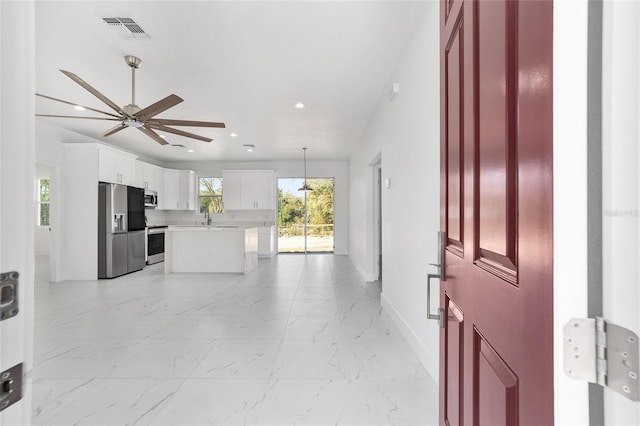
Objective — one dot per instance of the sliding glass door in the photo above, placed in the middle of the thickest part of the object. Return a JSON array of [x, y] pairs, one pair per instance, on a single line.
[[305, 219]]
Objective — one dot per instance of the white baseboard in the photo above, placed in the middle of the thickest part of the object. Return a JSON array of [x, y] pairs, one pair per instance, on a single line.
[[428, 361], [368, 276]]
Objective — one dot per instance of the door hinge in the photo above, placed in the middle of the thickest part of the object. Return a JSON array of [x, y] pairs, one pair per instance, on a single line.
[[603, 353], [10, 386], [8, 295]]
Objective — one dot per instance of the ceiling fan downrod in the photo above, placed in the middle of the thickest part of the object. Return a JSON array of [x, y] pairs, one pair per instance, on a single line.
[[135, 63]]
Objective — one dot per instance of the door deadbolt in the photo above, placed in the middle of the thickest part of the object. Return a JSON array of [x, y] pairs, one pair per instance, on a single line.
[[8, 295], [10, 386]]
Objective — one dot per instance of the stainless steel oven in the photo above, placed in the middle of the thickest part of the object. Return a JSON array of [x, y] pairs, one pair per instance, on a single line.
[[155, 244]]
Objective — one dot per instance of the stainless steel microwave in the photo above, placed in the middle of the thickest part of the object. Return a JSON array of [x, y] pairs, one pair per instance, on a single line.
[[150, 199]]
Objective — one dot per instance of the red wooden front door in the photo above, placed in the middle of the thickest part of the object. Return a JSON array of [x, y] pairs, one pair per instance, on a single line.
[[496, 208]]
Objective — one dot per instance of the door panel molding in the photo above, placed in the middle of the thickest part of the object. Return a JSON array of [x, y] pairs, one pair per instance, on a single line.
[[496, 142], [454, 67], [453, 370], [497, 387]]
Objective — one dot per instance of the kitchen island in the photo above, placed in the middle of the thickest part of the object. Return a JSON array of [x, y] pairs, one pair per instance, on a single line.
[[210, 248]]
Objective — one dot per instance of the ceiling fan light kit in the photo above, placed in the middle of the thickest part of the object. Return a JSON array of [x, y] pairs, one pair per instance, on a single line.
[[131, 115]]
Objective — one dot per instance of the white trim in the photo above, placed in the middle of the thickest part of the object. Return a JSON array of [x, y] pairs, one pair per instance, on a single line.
[[430, 364], [569, 195], [367, 276]]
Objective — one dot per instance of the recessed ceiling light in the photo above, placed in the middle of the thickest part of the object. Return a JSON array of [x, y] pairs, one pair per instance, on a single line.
[[233, 135], [79, 107], [190, 150], [299, 105], [162, 136]]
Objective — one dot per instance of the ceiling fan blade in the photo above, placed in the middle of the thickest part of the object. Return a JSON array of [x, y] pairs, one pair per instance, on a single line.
[[169, 122], [153, 135], [160, 106], [94, 92], [76, 116], [115, 129], [75, 104], [179, 132]]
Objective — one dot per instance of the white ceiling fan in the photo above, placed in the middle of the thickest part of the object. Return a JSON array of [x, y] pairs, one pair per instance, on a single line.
[[132, 115]]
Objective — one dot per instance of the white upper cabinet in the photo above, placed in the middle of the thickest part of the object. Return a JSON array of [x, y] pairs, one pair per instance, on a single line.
[[248, 189], [159, 183], [116, 166], [178, 192], [146, 176], [231, 190], [170, 199], [187, 190]]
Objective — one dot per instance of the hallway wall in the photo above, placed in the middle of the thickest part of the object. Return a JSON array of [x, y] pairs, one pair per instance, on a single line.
[[403, 133]]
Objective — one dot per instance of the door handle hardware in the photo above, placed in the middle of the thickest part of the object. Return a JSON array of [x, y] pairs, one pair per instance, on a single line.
[[8, 295], [440, 315], [440, 276], [10, 386]]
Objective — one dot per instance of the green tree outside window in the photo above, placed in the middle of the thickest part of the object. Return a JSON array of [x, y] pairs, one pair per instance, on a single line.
[[42, 203], [210, 194]]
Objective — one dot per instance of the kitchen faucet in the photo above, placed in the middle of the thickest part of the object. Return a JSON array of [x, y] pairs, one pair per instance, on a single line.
[[207, 216]]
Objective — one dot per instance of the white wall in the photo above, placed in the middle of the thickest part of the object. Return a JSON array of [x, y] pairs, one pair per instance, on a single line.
[[80, 237], [283, 169], [50, 153], [404, 132]]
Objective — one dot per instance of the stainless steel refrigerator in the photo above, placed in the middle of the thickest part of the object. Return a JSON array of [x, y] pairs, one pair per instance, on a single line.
[[137, 229], [121, 230], [112, 230]]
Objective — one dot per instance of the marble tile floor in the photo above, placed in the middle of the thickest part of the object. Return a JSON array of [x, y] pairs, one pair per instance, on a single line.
[[297, 341]]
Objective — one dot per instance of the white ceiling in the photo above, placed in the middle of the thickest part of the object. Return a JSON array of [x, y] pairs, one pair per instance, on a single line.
[[243, 63]]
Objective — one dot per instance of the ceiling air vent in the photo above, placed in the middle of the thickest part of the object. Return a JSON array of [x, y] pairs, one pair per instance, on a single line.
[[126, 27]]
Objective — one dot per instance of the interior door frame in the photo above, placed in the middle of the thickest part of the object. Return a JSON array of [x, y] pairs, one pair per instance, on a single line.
[[17, 172], [377, 221], [55, 222], [570, 186]]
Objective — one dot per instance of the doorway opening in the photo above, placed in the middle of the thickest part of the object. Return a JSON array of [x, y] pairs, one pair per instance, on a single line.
[[377, 214], [46, 215], [305, 219]]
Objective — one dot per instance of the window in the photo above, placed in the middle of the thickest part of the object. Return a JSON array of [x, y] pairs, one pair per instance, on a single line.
[[42, 202], [210, 193]]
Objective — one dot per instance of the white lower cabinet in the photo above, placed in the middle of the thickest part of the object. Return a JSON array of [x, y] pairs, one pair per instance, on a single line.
[[266, 241]]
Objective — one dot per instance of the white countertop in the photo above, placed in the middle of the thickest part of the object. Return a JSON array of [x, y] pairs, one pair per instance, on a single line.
[[216, 228]]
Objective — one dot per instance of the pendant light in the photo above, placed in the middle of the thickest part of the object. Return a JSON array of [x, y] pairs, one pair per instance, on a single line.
[[305, 187]]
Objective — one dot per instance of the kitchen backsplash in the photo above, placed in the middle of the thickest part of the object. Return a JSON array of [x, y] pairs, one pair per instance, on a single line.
[[184, 217]]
